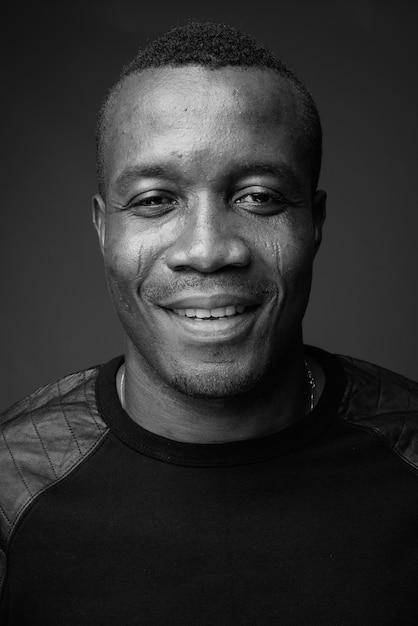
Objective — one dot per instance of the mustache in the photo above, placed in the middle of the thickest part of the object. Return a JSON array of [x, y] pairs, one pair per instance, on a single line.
[[260, 289]]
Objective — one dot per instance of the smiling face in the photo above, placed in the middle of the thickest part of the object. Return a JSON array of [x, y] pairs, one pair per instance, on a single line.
[[210, 225]]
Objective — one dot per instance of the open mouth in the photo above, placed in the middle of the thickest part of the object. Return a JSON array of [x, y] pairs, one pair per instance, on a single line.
[[212, 325], [214, 314]]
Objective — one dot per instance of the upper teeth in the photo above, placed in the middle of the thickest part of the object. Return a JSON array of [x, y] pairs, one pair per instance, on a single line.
[[224, 311]]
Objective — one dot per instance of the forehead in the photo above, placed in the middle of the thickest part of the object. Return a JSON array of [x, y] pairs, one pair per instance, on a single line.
[[195, 107]]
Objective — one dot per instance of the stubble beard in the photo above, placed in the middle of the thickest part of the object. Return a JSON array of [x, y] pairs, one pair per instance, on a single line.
[[214, 386]]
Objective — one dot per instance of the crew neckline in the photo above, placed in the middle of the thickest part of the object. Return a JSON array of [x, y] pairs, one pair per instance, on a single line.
[[241, 452]]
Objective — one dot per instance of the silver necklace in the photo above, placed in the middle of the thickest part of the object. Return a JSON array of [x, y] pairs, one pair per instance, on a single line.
[[312, 386], [311, 380], [122, 387]]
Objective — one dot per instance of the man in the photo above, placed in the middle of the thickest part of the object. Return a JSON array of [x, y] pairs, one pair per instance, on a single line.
[[220, 472]]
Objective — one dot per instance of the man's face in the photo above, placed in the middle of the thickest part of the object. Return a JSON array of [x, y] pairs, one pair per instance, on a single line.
[[210, 225]]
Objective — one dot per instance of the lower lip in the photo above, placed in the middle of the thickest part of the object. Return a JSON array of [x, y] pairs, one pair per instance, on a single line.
[[215, 330]]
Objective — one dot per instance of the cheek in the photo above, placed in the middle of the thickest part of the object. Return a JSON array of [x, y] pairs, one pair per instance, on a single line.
[[117, 279], [128, 260], [289, 248], [129, 252]]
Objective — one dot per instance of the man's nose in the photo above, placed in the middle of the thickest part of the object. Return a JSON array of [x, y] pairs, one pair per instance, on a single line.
[[209, 242]]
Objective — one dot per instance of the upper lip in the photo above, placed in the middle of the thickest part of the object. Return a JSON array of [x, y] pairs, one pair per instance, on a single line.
[[205, 301]]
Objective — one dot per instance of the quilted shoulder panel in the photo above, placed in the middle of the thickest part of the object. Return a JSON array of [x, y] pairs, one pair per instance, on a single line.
[[44, 437], [385, 403]]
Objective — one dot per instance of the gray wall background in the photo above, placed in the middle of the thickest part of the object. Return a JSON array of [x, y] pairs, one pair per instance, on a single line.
[[358, 57]]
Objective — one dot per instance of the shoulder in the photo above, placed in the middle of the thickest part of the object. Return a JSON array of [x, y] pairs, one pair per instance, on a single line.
[[43, 438], [375, 390], [384, 403]]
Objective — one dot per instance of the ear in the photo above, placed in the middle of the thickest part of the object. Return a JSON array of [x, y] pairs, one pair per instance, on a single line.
[[99, 218], [318, 215]]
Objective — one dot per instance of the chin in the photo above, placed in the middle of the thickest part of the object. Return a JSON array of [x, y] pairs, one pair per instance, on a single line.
[[211, 385]]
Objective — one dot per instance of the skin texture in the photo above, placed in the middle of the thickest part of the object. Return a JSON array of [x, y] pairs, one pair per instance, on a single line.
[[209, 203]]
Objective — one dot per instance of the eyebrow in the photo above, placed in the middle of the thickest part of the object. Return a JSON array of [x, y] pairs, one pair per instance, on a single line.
[[282, 171], [278, 170], [123, 182]]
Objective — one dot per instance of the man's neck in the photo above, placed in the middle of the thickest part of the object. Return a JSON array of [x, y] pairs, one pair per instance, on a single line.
[[273, 405]]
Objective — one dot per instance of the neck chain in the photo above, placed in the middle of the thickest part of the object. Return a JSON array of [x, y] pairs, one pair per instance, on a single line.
[[312, 386], [311, 380], [122, 387]]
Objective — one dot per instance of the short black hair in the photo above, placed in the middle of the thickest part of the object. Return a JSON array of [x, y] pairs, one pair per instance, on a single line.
[[211, 45]]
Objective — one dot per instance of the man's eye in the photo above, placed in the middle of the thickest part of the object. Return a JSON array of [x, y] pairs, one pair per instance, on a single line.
[[153, 201], [256, 196], [263, 201], [152, 205]]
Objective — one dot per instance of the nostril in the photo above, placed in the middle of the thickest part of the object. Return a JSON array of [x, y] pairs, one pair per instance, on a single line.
[[208, 255]]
